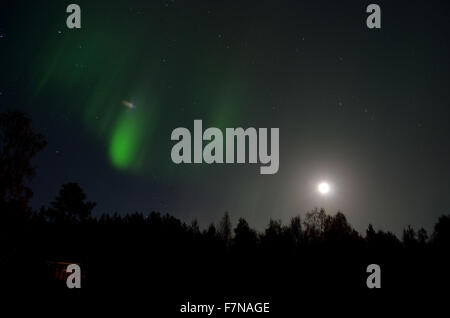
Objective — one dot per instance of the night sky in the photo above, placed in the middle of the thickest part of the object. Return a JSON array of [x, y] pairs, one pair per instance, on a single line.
[[365, 110]]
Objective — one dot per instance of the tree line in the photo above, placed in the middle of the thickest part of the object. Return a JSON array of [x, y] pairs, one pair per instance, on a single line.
[[161, 250]]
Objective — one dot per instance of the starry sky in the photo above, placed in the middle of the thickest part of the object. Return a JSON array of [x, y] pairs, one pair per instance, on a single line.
[[365, 110]]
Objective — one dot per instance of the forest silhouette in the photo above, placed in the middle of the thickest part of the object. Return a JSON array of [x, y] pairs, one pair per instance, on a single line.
[[160, 252]]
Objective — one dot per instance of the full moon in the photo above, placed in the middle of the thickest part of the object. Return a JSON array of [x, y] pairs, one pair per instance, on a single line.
[[323, 188]]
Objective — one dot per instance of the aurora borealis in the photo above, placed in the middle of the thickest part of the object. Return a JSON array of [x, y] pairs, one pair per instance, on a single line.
[[124, 142], [365, 109]]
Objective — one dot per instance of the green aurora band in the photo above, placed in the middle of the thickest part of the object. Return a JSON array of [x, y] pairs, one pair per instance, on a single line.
[[84, 75]]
